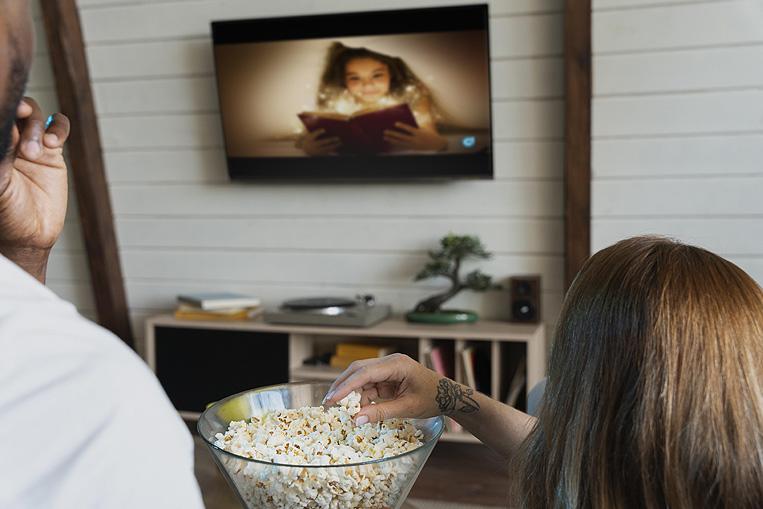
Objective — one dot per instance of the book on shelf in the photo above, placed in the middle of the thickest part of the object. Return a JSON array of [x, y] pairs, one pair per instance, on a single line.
[[467, 361], [211, 301], [426, 359], [518, 381], [361, 351], [186, 312], [428, 356], [347, 353], [443, 361]]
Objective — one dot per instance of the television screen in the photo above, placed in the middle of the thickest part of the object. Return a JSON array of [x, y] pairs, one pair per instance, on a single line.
[[399, 94]]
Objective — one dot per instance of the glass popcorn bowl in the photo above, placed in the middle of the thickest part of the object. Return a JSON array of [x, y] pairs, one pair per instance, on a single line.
[[382, 483]]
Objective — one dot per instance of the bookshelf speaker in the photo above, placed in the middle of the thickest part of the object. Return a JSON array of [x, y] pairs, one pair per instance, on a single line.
[[525, 299]]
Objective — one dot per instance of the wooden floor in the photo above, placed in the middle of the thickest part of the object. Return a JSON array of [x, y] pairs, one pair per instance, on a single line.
[[456, 473]]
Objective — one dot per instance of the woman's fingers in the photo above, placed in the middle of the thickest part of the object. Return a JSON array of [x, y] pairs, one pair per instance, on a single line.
[[386, 369], [377, 392], [370, 393], [57, 130], [32, 127], [352, 368], [401, 407]]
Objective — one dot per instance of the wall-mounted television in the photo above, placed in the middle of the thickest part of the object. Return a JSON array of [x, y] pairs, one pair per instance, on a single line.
[[382, 95]]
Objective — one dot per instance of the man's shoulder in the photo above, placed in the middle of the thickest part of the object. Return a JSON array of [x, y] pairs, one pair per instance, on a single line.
[[73, 394], [48, 350]]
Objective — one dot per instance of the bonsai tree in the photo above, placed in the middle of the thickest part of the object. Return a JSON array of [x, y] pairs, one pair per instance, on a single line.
[[446, 262]]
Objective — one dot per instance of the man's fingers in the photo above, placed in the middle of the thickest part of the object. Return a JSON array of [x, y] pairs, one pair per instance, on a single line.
[[15, 137], [23, 110], [32, 128], [57, 131]]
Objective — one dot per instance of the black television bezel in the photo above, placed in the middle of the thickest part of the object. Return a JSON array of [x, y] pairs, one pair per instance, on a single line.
[[478, 165]]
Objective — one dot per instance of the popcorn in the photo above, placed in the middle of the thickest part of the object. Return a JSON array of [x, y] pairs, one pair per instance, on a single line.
[[326, 437]]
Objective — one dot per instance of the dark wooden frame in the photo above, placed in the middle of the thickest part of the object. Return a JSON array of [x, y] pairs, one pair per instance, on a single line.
[[577, 136], [75, 97]]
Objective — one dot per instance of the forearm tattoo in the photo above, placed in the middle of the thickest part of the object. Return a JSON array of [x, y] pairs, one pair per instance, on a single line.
[[452, 397]]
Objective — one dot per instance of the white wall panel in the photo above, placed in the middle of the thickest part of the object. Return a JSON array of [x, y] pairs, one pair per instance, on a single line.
[[364, 234], [728, 236], [453, 199], [691, 155], [679, 71], [672, 26], [685, 197], [689, 113], [678, 124]]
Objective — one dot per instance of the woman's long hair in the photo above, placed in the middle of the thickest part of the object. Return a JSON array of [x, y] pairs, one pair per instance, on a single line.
[[655, 388]]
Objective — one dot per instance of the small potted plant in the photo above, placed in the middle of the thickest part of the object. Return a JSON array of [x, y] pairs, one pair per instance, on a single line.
[[446, 262]]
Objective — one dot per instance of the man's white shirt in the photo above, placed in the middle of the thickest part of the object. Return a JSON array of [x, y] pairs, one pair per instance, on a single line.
[[83, 421]]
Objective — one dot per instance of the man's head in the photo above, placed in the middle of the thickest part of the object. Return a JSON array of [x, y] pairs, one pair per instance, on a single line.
[[16, 48]]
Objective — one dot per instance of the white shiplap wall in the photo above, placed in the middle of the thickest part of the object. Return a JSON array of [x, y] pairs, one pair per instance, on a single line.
[[183, 227], [678, 124]]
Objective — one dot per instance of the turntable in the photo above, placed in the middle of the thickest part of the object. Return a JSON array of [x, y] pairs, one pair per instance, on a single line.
[[363, 311]]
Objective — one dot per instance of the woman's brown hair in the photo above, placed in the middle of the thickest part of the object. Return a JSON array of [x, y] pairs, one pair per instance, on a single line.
[[655, 388]]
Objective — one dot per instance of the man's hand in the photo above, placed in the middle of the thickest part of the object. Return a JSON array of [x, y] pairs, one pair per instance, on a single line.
[[33, 188]]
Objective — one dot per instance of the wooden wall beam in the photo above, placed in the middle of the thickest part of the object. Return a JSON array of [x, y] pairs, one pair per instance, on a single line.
[[75, 97], [577, 136]]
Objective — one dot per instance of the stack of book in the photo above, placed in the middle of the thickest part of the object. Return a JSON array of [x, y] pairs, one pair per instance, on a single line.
[[217, 306], [347, 353]]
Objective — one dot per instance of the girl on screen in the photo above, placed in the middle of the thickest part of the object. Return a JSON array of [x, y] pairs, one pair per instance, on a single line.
[[359, 79]]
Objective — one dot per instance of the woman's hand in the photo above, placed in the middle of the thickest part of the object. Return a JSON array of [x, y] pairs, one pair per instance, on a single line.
[[314, 145], [407, 388], [404, 388], [33, 188], [414, 138]]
